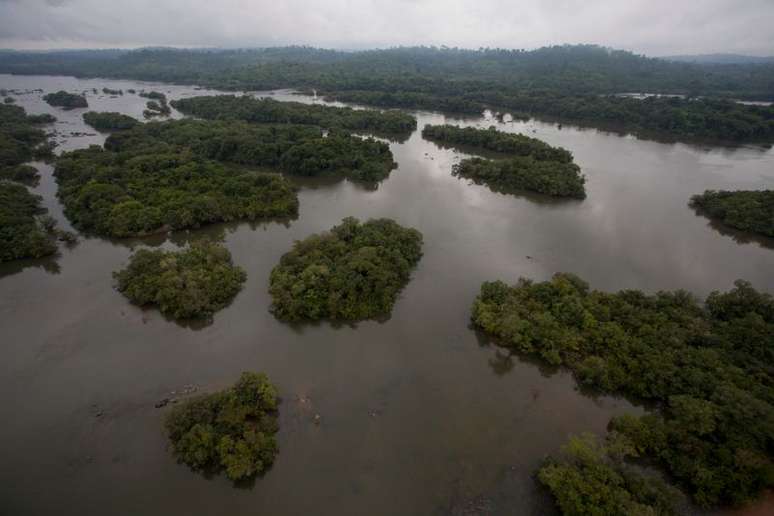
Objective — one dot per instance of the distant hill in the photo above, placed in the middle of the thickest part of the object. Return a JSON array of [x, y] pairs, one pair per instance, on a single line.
[[721, 59]]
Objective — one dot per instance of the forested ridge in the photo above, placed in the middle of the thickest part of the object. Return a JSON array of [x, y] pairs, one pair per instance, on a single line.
[[707, 367], [575, 83]]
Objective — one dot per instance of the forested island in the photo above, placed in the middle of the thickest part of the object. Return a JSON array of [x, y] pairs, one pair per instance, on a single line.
[[270, 111], [66, 100], [21, 140], [158, 188], [232, 430], [706, 367], [578, 83], [109, 121], [23, 232], [532, 165], [751, 211], [157, 105], [192, 283], [293, 149], [353, 272]]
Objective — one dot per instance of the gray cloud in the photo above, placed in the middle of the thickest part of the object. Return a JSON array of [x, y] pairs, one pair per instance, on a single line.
[[654, 27]]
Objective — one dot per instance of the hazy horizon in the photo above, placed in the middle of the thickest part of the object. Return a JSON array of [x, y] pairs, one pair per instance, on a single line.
[[651, 27]]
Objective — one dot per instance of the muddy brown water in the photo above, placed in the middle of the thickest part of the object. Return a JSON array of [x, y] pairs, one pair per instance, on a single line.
[[418, 414]]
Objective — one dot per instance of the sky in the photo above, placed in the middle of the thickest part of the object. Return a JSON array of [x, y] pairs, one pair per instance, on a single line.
[[651, 27]]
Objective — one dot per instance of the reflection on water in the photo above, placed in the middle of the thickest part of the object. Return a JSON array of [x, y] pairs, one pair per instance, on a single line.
[[416, 416]]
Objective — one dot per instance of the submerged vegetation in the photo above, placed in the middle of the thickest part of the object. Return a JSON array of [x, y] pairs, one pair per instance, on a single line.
[[295, 149], [533, 164], [590, 477], [351, 273], [109, 121], [23, 232], [707, 368], [751, 211], [191, 283], [270, 111], [152, 189], [232, 430], [66, 100]]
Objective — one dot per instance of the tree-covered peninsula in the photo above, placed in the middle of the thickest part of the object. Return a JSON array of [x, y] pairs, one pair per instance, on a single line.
[[151, 189], [66, 100], [232, 430], [109, 121], [532, 165], [751, 210], [191, 283], [706, 368], [270, 111], [23, 232], [294, 149], [353, 272]]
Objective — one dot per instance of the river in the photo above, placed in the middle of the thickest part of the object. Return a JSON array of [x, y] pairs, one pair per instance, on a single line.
[[417, 414]]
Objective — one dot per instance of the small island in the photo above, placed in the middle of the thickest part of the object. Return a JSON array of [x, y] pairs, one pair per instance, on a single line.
[[253, 110], [300, 150], [751, 210], [353, 272], [528, 164], [66, 100], [109, 121], [22, 140], [706, 369], [155, 189], [23, 231], [192, 283], [232, 430]]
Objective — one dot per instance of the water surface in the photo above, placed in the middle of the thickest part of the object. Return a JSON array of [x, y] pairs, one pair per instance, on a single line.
[[418, 414]]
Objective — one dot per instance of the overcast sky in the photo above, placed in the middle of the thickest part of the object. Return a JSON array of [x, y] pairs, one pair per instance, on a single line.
[[653, 27]]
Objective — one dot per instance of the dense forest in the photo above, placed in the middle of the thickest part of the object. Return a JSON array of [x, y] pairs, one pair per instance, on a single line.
[[23, 232], [294, 149], [513, 175], [192, 283], [270, 111], [21, 140], [353, 272], [109, 121], [151, 189], [751, 211], [232, 430], [707, 369], [497, 141], [532, 165], [577, 83], [66, 100]]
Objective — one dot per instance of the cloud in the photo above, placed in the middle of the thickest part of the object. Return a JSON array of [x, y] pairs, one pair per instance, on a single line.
[[655, 27]]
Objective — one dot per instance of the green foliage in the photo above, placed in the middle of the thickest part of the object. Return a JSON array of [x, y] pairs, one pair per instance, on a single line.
[[751, 211], [192, 283], [25, 174], [270, 111], [22, 234], [590, 478], [150, 189], [708, 369], [21, 140], [232, 430], [66, 100], [154, 95], [295, 149], [353, 272], [577, 83], [493, 140], [108, 91], [524, 173], [110, 121], [153, 108]]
